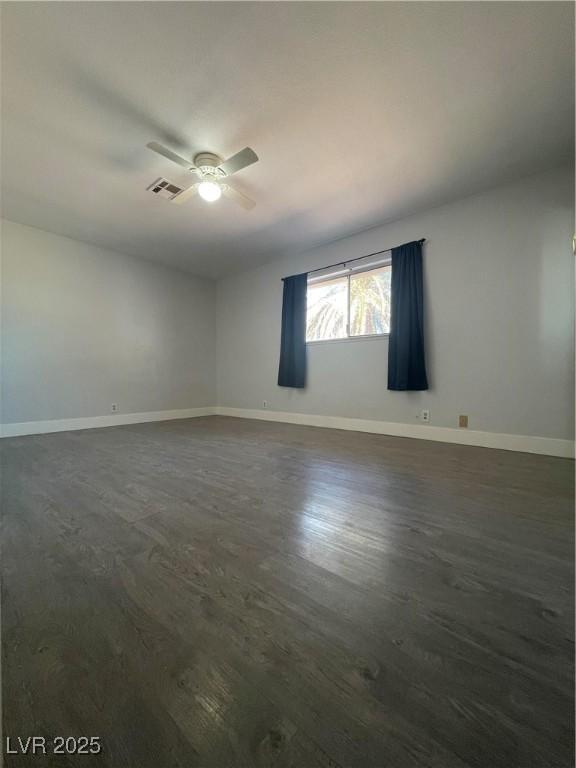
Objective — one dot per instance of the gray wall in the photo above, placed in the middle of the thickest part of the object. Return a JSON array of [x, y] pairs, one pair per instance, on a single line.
[[499, 282], [83, 328]]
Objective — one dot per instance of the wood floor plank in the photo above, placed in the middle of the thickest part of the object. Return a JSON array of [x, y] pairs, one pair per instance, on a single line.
[[220, 592]]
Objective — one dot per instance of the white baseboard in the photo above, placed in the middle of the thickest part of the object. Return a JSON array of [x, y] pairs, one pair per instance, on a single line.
[[548, 446], [93, 422]]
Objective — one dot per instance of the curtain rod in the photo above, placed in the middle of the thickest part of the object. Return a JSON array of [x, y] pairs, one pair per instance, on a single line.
[[358, 258]]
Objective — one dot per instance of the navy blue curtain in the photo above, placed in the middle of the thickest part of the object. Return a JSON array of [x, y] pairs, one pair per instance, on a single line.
[[406, 360], [292, 370]]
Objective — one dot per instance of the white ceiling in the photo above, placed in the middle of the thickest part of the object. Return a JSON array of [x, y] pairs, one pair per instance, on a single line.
[[360, 113]]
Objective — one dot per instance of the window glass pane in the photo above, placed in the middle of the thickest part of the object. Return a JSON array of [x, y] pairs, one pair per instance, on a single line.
[[327, 310], [370, 302]]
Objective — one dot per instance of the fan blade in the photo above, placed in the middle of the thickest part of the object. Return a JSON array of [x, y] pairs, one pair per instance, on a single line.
[[165, 152], [238, 197], [186, 194], [238, 161]]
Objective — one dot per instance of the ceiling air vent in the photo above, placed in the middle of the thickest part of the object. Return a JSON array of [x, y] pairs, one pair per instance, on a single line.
[[164, 188]]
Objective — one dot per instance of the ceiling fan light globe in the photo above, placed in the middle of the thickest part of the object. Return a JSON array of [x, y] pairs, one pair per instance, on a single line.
[[209, 191]]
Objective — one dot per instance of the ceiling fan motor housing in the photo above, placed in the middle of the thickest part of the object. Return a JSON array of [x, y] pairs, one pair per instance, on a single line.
[[208, 163]]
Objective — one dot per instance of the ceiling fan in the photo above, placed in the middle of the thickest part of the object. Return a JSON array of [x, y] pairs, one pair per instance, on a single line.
[[212, 173]]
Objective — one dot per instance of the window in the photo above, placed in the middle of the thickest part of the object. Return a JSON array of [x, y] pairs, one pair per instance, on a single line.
[[327, 309], [351, 305]]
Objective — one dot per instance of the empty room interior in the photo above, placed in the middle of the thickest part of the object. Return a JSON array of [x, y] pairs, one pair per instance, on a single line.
[[287, 384]]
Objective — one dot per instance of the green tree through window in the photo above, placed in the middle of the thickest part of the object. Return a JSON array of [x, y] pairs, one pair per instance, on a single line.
[[357, 304]]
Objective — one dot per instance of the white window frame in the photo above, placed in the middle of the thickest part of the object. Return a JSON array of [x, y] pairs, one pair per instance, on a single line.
[[347, 272]]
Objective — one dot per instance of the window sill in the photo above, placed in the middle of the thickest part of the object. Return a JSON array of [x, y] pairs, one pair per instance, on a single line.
[[348, 339]]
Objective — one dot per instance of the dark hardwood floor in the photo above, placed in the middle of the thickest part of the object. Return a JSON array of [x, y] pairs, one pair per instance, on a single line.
[[235, 594]]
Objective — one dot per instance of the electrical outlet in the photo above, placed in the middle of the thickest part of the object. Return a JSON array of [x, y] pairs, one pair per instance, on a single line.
[[425, 415], [463, 421], [114, 407], [265, 403]]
